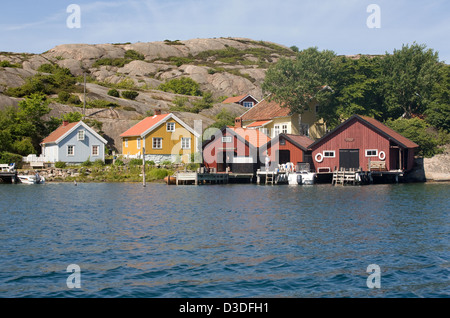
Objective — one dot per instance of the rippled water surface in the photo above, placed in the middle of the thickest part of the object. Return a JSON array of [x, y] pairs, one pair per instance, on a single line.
[[224, 241]]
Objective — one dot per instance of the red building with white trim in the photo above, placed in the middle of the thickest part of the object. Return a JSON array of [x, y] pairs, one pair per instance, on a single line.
[[360, 140]]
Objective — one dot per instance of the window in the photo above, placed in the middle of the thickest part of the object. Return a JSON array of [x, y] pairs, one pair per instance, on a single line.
[[227, 139], [126, 142], [185, 143], [317, 109], [248, 104], [95, 151], [304, 129], [371, 153], [157, 143], [81, 134], [170, 127], [71, 151], [284, 129], [264, 131], [276, 130], [282, 142], [329, 154], [138, 143]]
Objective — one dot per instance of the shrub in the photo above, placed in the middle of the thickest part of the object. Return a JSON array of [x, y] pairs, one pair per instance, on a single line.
[[98, 163], [100, 103], [130, 95], [60, 165], [63, 96], [114, 93], [119, 163], [134, 55], [87, 163], [135, 162], [8, 158], [183, 86], [74, 99]]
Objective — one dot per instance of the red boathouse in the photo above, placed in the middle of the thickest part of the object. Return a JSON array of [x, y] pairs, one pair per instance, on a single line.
[[361, 141]]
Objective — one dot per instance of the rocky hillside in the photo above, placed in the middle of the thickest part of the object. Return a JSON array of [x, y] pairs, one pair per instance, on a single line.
[[224, 66]]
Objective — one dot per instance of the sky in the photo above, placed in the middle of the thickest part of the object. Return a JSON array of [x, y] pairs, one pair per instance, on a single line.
[[343, 26]]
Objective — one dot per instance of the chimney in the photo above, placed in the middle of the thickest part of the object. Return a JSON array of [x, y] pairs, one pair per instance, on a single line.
[[65, 123], [238, 122], [158, 112]]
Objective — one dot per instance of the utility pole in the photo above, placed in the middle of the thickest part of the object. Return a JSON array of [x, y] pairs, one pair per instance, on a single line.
[[143, 168], [84, 99]]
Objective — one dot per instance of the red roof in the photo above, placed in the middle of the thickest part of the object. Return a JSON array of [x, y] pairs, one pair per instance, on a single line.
[[143, 126], [59, 132], [303, 141], [235, 99], [266, 110], [258, 124], [253, 136], [389, 131]]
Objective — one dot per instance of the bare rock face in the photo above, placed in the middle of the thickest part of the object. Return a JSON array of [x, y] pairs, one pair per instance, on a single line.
[[438, 167]]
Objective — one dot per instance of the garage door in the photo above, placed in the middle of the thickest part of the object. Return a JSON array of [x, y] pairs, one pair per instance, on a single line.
[[349, 158]]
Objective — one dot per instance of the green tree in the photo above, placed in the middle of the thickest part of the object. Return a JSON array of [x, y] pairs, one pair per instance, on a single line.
[[418, 131], [296, 83], [438, 110], [408, 76]]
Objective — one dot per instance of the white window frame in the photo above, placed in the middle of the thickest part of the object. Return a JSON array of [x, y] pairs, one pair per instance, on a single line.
[[98, 151], [160, 141], [172, 127], [248, 104], [185, 146], [276, 130], [81, 135], [375, 155], [329, 154], [138, 143], [73, 151], [285, 128], [227, 139], [126, 142]]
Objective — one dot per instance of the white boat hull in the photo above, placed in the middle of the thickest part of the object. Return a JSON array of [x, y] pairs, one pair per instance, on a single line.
[[301, 178], [31, 180]]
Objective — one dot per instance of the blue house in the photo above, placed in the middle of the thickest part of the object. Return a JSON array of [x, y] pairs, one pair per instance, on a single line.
[[73, 143]]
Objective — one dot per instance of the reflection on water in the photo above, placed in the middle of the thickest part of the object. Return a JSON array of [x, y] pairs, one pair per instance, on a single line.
[[224, 241]]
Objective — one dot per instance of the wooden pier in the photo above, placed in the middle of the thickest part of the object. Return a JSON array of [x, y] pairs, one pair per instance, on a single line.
[[343, 177], [197, 178], [271, 177]]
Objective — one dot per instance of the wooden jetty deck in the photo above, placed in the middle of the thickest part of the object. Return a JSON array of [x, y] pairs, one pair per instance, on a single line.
[[271, 177], [197, 178], [9, 177]]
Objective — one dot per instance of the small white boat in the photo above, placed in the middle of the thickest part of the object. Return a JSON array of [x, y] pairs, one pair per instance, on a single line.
[[31, 179], [301, 178]]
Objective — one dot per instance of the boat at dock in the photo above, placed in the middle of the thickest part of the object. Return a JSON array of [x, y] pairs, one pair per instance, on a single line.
[[31, 179], [301, 178]]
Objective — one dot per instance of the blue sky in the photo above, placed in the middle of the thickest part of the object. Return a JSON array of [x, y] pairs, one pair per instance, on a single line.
[[338, 25]]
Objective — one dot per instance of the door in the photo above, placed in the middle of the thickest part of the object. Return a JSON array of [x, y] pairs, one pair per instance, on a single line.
[[349, 158], [283, 156]]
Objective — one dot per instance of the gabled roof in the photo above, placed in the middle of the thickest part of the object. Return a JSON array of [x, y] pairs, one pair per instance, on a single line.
[[266, 110], [65, 129], [302, 142], [237, 99], [259, 124], [255, 137], [251, 137], [147, 125], [377, 126]]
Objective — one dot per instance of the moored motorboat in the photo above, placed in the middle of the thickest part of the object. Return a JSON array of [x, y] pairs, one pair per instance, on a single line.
[[31, 179], [301, 178]]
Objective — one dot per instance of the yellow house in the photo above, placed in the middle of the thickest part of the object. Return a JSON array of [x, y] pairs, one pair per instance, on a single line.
[[272, 119], [161, 137]]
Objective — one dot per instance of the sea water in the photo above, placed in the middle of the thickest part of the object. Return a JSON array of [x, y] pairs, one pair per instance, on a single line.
[[224, 240]]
